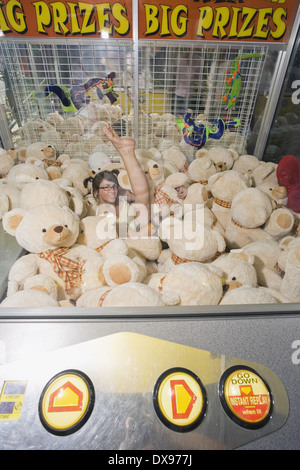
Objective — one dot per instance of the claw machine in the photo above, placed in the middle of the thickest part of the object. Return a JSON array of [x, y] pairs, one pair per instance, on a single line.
[[201, 349]]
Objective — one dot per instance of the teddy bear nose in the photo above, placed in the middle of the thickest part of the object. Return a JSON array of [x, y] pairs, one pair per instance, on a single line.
[[225, 287], [155, 166], [58, 229]]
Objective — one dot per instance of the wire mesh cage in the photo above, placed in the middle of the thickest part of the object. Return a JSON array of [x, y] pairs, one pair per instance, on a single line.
[[180, 76], [172, 77]]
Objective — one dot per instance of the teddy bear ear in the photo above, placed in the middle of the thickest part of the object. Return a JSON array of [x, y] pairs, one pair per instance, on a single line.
[[283, 243], [241, 254], [201, 153], [233, 153], [12, 219]]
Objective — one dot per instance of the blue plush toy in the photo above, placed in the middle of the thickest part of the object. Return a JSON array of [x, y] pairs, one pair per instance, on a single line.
[[198, 135]]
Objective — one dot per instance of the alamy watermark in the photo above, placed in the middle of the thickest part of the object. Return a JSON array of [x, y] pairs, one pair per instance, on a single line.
[[296, 93], [166, 222], [296, 353]]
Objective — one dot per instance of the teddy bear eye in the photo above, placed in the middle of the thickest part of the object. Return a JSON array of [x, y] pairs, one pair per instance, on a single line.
[[66, 226], [234, 278], [37, 178], [44, 230]]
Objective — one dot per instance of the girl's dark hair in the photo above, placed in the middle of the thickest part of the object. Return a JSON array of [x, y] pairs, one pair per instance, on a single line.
[[107, 175]]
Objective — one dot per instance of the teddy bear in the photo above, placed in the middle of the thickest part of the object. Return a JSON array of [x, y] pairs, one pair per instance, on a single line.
[[25, 173], [223, 158], [77, 171], [32, 130], [288, 175], [264, 172], [195, 283], [266, 255], [286, 244], [121, 263], [98, 160], [38, 290], [174, 155], [190, 239], [49, 234], [9, 197], [280, 223], [249, 295], [41, 151], [7, 161], [276, 192], [223, 186], [41, 192], [245, 164], [241, 281], [250, 209], [238, 269], [201, 168], [29, 298], [132, 294]]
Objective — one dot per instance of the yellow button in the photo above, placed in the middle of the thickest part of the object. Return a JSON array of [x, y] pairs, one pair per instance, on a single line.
[[246, 397], [66, 402], [179, 399]]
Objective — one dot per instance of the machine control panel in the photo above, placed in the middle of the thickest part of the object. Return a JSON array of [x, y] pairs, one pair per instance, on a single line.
[[132, 391]]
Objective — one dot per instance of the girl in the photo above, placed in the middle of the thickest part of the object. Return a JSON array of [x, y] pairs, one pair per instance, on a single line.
[[106, 190]]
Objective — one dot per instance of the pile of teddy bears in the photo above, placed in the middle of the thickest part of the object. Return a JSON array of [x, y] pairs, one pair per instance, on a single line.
[[225, 230]]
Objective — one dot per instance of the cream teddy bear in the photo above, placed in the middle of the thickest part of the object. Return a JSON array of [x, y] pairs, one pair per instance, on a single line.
[[39, 291], [49, 234], [265, 171], [280, 223], [266, 255], [77, 171], [7, 161], [132, 294], [194, 283], [238, 270], [249, 296], [9, 197], [223, 187], [29, 298], [276, 192], [223, 158], [174, 155], [25, 173], [201, 168], [190, 239], [41, 192], [98, 160], [245, 164], [290, 286], [121, 263], [250, 209]]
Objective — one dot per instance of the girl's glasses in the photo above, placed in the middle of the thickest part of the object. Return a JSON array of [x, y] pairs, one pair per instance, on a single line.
[[107, 188]]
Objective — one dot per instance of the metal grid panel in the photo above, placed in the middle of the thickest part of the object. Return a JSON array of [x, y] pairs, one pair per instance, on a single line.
[[32, 65], [173, 76], [176, 76]]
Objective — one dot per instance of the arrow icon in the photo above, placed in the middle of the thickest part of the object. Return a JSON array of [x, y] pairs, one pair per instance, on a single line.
[[182, 398]]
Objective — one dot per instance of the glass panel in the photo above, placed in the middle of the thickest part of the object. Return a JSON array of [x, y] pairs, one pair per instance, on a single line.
[[284, 136]]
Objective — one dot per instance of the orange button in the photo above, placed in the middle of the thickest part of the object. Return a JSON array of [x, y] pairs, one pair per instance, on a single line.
[[246, 397]]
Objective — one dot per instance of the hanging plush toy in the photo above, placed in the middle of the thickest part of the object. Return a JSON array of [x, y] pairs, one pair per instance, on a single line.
[[198, 135], [104, 87], [234, 80], [63, 94]]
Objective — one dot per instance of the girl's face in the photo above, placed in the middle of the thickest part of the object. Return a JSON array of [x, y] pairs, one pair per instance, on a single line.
[[108, 192]]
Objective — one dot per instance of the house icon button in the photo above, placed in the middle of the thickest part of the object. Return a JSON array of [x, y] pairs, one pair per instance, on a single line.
[[66, 402]]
